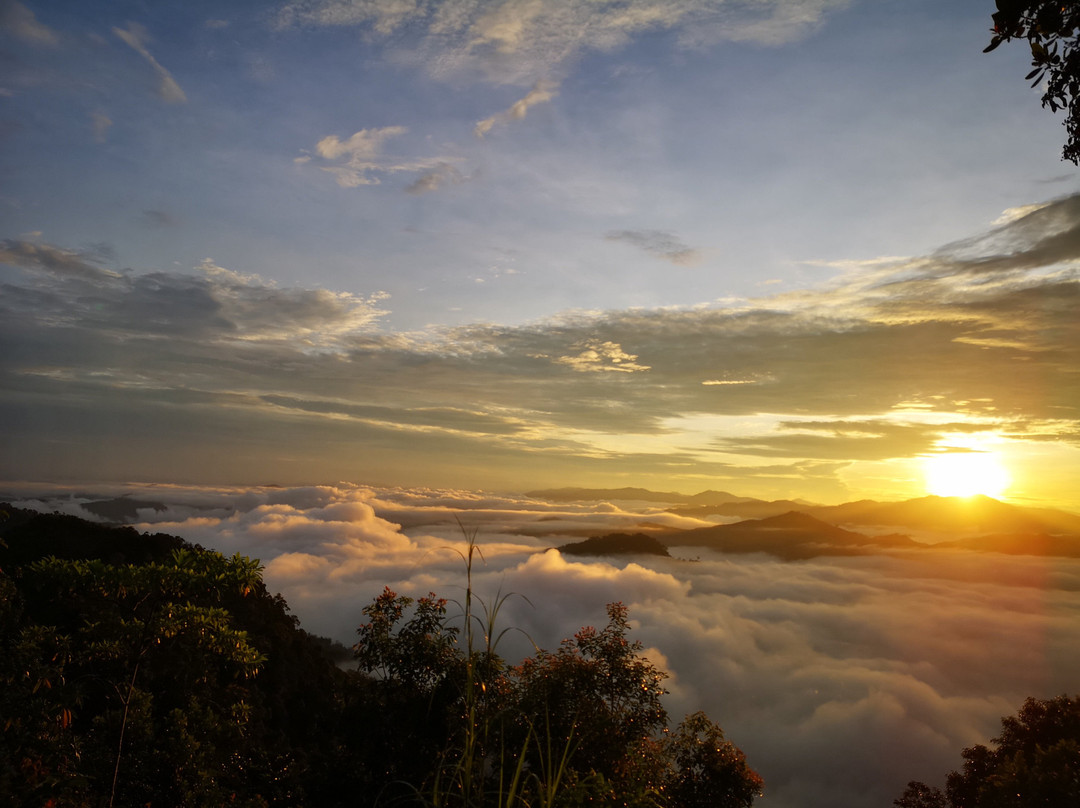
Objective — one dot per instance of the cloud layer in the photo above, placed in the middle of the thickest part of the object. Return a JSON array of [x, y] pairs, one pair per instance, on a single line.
[[841, 680], [886, 362]]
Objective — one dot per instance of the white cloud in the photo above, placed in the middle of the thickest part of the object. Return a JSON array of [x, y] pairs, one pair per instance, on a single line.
[[136, 36]]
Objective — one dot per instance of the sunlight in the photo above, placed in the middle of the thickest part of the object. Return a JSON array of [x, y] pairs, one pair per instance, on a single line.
[[965, 474]]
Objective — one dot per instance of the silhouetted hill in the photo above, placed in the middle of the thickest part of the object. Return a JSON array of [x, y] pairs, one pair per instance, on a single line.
[[30, 535], [970, 515], [121, 509], [790, 536], [616, 544], [951, 514]]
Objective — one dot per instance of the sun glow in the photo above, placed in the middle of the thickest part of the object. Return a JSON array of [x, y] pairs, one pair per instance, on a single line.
[[965, 474]]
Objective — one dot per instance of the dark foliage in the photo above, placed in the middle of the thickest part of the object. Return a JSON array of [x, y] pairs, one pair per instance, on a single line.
[[27, 536], [1035, 761], [1050, 28], [141, 670], [97, 621]]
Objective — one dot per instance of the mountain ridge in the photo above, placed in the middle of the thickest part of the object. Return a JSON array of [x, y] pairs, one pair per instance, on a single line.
[[971, 515]]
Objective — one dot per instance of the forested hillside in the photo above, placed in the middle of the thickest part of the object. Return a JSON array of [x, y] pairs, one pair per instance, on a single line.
[[141, 670]]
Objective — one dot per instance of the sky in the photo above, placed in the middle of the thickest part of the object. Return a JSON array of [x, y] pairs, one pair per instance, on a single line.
[[407, 259], [841, 678], [799, 248]]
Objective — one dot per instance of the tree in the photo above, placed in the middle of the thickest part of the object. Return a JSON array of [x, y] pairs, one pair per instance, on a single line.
[[1051, 28], [595, 690], [706, 769], [1034, 762], [148, 651], [920, 795]]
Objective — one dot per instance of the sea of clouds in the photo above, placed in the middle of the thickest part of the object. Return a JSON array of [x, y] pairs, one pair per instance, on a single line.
[[841, 678]]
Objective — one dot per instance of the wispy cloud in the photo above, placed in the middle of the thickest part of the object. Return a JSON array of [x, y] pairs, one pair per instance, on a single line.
[[542, 92], [158, 218], [23, 23], [54, 260], [659, 243], [136, 37], [522, 41], [215, 304], [101, 124], [360, 160], [440, 176]]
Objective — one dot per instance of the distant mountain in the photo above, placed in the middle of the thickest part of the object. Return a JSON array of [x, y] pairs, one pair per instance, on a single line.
[[744, 508], [637, 494], [616, 544], [121, 509], [937, 514], [977, 514], [791, 536]]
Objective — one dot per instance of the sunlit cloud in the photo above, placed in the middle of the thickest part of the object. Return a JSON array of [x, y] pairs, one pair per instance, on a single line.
[[542, 92], [600, 357], [359, 160], [523, 41]]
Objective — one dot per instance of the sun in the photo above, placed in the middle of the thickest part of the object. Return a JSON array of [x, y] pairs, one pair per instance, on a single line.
[[965, 474]]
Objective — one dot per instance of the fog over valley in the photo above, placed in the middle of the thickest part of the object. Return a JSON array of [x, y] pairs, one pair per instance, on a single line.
[[842, 677]]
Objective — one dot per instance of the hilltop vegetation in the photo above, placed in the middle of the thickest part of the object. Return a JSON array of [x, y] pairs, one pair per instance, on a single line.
[[142, 670]]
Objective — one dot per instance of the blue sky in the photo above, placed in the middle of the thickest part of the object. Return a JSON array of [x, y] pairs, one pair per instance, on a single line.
[[510, 243]]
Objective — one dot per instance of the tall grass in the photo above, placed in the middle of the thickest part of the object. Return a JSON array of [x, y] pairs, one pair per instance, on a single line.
[[474, 775]]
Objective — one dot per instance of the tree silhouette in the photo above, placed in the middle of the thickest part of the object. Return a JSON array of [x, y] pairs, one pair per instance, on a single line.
[[1035, 761], [1051, 28]]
